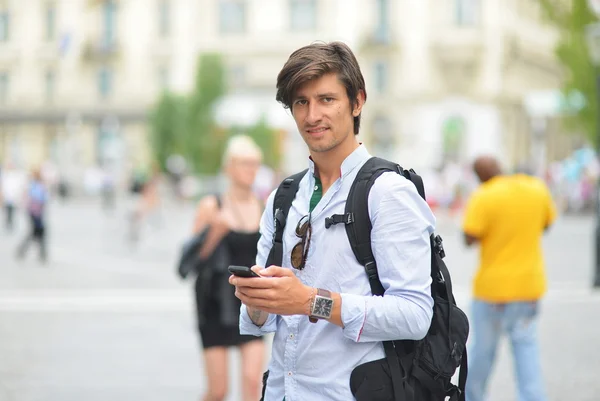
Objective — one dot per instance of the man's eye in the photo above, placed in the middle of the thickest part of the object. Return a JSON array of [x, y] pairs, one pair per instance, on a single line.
[[328, 99], [301, 102]]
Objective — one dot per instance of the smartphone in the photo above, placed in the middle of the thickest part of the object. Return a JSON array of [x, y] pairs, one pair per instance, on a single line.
[[242, 271]]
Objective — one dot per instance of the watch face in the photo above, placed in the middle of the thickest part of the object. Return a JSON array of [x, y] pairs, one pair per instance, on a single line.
[[322, 307]]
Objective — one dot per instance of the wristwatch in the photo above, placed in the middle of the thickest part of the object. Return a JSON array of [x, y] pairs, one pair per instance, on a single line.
[[321, 307]]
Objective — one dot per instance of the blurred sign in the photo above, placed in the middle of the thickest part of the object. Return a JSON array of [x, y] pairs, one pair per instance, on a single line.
[[553, 102]]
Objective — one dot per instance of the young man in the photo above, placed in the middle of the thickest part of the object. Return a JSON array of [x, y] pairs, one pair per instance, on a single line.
[[312, 359], [507, 215]]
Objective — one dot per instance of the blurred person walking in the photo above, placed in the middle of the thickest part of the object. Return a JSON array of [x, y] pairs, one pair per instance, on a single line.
[[147, 205], [232, 220], [507, 215], [11, 190], [37, 200]]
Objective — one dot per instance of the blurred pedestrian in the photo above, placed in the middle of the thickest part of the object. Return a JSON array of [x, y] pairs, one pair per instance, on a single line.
[[147, 204], [507, 215], [36, 201], [232, 219], [11, 190]]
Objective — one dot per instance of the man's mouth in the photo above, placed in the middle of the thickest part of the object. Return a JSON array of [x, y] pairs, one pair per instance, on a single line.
[[315, 131]]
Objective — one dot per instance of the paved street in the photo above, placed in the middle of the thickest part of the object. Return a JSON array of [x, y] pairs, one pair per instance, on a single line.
[[103, 321]]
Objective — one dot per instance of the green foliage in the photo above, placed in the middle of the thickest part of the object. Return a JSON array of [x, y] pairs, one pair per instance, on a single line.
[[571, 19], [167, 133], [204, 141], [268, 140], [186, 126]]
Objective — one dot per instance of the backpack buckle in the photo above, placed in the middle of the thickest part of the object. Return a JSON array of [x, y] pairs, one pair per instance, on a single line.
[[279, 223], [371, 269], [438, 246], [347, 218]]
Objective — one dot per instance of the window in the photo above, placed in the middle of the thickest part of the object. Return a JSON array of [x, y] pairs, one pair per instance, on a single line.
[[466, 12], [50, 21], [164, 18], [237, 76], [4, 81], [109, 19], [382, 140], [105, 82], [163, 79], [303, 14], [50, 86], [4, 25], [232, 16], [381, 77], [382, 31]]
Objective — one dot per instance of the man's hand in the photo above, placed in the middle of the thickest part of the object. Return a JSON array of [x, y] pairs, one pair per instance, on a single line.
[[277, 291]]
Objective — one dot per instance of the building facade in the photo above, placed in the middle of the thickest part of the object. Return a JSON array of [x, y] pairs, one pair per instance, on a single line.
[[447, 80]]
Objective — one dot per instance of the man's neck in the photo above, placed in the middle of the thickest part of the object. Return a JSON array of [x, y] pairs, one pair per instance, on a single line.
[[328, 164]]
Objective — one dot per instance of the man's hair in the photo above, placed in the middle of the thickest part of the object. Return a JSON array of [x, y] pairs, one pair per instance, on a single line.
[[314, 61]]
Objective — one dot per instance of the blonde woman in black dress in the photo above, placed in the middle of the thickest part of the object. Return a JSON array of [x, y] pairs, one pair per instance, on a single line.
[[233, 219]]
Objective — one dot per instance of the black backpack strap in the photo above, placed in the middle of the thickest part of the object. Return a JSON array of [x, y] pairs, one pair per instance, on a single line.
[[359, 230], [359, 235], [281, 206], [416, 180]]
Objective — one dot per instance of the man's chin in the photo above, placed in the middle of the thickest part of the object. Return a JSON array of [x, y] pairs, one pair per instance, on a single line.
[[321, 148]]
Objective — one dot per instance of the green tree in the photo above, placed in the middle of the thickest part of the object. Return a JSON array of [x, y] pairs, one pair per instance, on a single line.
[[167, 129], [268, 140], [186, 124], [205, 142], [571, 19]]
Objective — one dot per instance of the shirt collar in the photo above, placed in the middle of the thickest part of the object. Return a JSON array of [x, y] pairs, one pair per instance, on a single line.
[[354, 159]]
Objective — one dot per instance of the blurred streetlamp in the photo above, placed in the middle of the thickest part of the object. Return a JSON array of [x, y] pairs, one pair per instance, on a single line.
[[593, 41]]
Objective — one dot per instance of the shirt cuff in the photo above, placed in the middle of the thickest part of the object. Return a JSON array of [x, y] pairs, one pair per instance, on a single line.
[[354, 314], [247, 326]]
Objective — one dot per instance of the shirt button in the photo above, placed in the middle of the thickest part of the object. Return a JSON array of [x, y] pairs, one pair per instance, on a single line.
[[289, 373], [291, 336], [316, 187]]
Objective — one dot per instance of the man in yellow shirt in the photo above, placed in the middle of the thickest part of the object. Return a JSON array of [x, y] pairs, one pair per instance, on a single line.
[[507, 215]]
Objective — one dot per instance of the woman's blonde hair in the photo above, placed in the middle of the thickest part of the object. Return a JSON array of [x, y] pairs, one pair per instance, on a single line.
[[241, 146]]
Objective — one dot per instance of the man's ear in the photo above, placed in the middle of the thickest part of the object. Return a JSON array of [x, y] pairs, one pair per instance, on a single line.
[[358, 104]]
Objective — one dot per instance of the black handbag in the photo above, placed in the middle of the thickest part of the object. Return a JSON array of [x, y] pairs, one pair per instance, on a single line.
[[190, 261]]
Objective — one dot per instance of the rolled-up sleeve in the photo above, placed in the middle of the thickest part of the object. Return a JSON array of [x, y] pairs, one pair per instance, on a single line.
[[264, 247], [402, 225]]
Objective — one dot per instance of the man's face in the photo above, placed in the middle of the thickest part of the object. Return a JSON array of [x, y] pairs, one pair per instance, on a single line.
[[324, 114]]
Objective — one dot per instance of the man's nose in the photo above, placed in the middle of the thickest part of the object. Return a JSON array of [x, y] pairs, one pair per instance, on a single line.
[[314, 114]]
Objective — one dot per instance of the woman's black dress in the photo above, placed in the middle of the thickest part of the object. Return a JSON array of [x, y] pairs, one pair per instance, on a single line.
[[219, 330]]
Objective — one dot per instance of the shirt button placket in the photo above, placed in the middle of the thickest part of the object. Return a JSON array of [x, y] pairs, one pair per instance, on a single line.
[[290, 362]]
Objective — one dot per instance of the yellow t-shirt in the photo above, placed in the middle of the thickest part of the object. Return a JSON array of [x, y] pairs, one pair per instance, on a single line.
[[508, 214]]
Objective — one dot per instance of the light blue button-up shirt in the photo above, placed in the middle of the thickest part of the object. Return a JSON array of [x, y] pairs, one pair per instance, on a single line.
[[313, 361]]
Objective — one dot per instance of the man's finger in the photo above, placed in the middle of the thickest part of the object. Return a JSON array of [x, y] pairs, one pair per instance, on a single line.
[[276, 271], [257, 293], [254, 282], [253, 302], [257, 269]]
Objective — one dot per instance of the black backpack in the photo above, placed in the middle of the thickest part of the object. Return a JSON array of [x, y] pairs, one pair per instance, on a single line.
[[412, 370]]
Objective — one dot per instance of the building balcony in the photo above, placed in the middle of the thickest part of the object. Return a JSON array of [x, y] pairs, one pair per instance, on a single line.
[[100, 50], [457, 46], [378, 40]]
